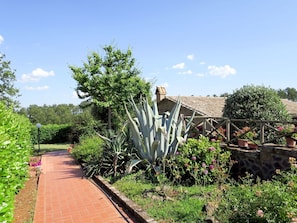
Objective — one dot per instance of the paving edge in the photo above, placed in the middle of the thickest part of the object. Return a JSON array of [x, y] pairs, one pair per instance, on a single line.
[[132, 209]]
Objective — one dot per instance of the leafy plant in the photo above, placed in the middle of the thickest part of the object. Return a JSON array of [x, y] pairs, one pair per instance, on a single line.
[[288, 131], [256, 103], [245, 133], [117, 154], [89, 149], [157, 136], [15, 150], [199, 161]]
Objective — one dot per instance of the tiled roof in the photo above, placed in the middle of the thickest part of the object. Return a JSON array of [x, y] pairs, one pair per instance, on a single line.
[[213, 106]]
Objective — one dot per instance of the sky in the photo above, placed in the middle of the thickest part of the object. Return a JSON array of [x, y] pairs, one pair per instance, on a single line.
[[191, 47]]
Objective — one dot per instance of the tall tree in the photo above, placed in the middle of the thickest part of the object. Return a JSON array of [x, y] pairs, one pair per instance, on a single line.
[[109, 81], [289, 93], [7, 77]]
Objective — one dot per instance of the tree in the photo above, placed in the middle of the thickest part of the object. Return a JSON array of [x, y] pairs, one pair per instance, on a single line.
[[255, 102], [289, 93], [109, 81], [7, 78]]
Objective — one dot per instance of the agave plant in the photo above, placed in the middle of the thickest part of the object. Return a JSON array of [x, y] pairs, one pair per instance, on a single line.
[[157, 136]]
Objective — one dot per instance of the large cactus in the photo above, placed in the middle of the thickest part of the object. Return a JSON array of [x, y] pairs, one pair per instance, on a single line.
[[157, 136]]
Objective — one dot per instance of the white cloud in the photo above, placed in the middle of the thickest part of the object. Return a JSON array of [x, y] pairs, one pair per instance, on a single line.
[[222, 71], [40, 88], [1, 39], [36, 75], [191, 57], [179, 66], [186, 72], [202, 63]]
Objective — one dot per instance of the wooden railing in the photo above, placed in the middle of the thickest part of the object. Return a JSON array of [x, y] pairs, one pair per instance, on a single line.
[[224, 128]]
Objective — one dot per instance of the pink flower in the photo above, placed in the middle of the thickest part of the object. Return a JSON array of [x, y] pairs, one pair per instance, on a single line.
[[214, 161], [193, 158], [203, 165], [205, 172], [260, 213], [211, 149], [211, 167]]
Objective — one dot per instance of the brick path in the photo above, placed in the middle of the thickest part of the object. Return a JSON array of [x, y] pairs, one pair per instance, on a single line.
[[64, 196]]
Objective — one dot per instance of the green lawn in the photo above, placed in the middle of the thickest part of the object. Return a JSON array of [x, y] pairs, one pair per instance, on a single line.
[[44, 148]]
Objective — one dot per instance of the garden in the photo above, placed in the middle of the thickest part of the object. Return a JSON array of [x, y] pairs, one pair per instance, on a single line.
[[179, 179], [150, 157]]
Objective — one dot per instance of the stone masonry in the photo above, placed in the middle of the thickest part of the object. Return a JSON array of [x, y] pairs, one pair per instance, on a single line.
[[261, 162]]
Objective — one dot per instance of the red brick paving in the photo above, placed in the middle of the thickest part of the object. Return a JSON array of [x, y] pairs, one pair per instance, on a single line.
[[65, 197]]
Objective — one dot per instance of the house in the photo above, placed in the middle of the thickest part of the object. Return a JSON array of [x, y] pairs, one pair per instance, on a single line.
[[203, 106]]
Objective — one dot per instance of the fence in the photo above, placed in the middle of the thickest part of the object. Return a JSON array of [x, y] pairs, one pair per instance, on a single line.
[[224, 128]]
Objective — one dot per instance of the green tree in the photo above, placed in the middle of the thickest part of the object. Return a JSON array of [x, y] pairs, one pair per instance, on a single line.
[[109, 81], [255, 102], [288, 93], [7, 77]]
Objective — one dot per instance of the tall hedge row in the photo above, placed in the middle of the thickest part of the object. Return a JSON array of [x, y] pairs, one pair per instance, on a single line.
[[15, 151], [52, 133]]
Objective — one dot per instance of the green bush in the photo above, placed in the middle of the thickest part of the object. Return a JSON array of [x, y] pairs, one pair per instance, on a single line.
[[199, 161], [90, 148], [265, 202], [51, 134], [255, 102], [15, 150]]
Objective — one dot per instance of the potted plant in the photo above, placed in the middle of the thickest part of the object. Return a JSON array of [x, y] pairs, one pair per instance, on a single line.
[[290, 134], [244, 136]]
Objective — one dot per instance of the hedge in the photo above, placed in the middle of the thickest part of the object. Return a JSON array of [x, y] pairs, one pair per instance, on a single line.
[[51, 134], [15, 151]]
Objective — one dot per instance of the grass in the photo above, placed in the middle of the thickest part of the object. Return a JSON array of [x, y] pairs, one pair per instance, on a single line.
[[167, 203], [44, 148]]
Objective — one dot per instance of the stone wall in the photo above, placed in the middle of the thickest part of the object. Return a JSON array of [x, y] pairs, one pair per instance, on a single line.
[[262, 162]]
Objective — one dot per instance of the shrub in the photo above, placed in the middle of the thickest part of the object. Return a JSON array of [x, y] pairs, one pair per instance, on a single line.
[[90, 148], [15, 150], [199, 162], [50, 134], [266, 201], [117, 154], [255, 103]]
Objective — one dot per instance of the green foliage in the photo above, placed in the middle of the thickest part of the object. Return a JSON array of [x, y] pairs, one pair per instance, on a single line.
[[7, 77], [267, 201], [108, 82], [255, 102], [52, 114], [199, 161], [51, 134], [157, 136], [166, 203], [89, 149], [288, 93], [117, 155], [15, 150]]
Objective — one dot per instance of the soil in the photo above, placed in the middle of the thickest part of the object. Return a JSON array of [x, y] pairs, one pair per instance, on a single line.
[[26, 198]]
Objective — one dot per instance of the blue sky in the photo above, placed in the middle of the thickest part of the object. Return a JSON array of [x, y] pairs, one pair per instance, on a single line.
[[191, 47]]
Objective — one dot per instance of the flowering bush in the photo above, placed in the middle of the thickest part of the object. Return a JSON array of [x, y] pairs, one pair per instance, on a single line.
[[262, 201], [199, 162], [245, 133], [288, 131]]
